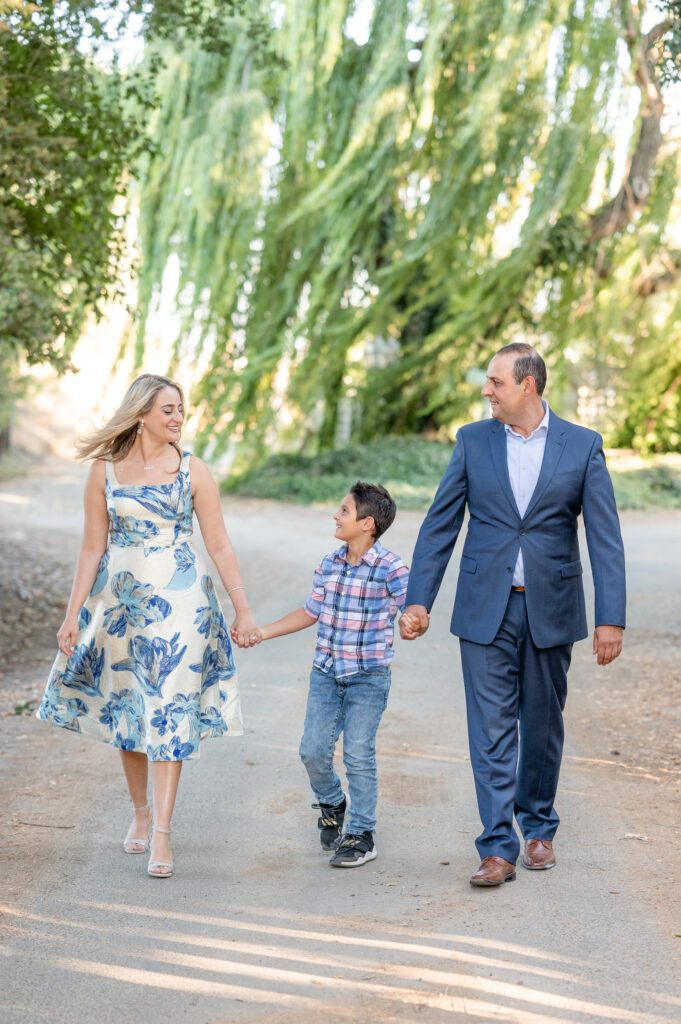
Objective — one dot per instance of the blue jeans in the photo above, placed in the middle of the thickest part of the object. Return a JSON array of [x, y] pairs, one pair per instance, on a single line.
[[352, 705]]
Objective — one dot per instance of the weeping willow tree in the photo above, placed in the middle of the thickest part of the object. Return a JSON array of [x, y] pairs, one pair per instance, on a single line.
[[446, 175]]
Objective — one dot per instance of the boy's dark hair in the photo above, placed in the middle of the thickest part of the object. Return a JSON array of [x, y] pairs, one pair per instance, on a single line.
[[374, 500], [528, 364]]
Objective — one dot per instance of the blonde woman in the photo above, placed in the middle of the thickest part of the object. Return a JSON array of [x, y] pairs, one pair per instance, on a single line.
[[144, 661]]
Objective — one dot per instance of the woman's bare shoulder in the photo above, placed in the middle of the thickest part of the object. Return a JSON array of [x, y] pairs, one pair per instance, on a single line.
[[198, 469], [97, 473]]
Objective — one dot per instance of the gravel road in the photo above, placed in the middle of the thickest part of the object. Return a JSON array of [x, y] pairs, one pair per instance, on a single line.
[[255, 926]]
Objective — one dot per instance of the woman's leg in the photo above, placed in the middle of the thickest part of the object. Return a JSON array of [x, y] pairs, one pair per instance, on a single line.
[[165, 777], [135, 767]]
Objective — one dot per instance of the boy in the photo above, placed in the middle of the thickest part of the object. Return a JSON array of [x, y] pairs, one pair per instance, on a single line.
[[358, 589]]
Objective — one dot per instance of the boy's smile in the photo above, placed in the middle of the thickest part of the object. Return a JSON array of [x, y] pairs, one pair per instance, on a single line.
[[351, 529], [347, 523]]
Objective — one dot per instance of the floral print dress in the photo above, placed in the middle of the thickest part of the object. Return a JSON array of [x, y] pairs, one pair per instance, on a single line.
[[152, 669]]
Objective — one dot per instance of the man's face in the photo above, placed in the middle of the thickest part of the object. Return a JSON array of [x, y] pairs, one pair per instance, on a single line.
[[506, 398]]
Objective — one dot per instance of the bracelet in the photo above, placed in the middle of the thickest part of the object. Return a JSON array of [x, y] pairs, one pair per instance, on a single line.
[[233, 589]]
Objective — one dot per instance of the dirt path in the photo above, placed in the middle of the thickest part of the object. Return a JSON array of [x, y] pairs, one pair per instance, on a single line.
[[255, 926]]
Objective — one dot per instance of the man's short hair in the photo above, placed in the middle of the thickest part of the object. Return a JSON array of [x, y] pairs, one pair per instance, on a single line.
[[374, 500], [528, 363]]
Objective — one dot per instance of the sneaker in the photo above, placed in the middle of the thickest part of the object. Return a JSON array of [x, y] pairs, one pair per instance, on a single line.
[[354, 850], [330, 824]]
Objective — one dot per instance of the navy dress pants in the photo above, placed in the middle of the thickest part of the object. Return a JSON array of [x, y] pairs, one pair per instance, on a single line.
[[515, 695]]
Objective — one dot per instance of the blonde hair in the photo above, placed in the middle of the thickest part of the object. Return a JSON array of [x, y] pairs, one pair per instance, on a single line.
[[114, 440]]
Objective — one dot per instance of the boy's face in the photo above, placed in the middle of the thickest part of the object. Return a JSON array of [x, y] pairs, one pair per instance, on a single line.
[[348, 526]]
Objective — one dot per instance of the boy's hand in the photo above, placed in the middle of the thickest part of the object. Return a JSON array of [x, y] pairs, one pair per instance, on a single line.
[[414, 621], [244, 631], [243, 640]]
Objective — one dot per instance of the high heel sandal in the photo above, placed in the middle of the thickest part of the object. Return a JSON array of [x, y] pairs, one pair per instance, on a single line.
[[142, 844], [160, 863]]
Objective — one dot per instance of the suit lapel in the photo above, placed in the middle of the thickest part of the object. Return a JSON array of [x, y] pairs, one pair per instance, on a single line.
[[555, 443], [500, 460]]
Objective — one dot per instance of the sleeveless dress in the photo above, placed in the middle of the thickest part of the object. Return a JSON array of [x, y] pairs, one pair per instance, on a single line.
[[152, 670]]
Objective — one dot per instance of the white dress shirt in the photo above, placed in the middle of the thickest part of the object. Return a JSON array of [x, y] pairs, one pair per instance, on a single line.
[[524, 456]]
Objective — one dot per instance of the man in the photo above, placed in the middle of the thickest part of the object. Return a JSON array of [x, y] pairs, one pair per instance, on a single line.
[[525, 475]]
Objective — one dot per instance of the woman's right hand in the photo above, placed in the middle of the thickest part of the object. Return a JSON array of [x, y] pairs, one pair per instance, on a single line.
[[68, 634]]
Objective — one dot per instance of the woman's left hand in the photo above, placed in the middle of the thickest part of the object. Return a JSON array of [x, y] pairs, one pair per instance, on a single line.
[[244, 631]]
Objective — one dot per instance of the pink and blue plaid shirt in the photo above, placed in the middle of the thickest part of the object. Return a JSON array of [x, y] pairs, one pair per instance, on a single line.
[[356, 606]]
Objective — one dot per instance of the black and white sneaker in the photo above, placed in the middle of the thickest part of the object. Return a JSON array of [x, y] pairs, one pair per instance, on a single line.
[[354, 850], [330, 824]]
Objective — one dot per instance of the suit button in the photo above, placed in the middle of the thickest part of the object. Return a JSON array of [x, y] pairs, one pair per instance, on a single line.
[[509, 569], [522, 533]]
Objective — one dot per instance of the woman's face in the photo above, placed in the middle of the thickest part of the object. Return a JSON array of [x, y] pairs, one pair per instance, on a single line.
[[166, 416]]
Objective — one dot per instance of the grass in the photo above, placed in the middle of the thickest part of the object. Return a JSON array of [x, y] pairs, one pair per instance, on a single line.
[[411, 467], [653, 482]]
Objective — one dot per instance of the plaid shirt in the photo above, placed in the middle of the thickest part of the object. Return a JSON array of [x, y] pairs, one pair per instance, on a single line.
[[356, 606]]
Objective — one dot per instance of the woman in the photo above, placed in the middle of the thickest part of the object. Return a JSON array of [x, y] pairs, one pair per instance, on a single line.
[[145, 661]]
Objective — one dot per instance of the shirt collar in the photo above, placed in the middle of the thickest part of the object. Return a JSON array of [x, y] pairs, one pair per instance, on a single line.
[[370, 557], [542, 428]]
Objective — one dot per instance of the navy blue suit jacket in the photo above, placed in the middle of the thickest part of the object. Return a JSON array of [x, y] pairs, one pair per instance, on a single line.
[[573, 479]]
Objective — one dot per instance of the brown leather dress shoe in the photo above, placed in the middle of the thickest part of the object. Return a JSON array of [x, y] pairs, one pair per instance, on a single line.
[[539, 855], [493, 871]]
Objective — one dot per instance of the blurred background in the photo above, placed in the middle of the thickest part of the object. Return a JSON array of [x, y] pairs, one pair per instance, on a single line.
[[324, 216]]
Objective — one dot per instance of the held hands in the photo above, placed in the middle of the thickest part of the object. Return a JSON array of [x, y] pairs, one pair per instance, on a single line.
[[414, 621], [244, 631], [607, 643]]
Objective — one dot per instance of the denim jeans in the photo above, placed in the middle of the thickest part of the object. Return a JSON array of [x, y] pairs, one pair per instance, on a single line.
[[352, 705]]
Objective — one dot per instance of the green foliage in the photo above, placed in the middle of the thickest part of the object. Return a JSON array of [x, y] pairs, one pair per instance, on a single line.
[[409, 467], [65, 141], [669, 59], [430, 185], [656, 485]]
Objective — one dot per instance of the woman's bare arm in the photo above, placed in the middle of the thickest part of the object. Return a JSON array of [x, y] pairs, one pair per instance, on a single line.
[[92, 548], [219, 547]]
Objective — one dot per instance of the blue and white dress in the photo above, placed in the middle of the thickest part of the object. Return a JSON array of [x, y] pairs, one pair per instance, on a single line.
[[152, 669]]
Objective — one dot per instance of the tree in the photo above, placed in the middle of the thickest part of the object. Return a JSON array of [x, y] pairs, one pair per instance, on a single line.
[[451, 182], [66, 136]]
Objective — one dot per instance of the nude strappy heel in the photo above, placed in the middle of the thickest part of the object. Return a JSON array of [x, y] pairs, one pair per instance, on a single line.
[[160, 863], [142, 845]]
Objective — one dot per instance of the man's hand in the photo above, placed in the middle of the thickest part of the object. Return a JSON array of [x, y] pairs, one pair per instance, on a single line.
[[414, 621], [607, 643]]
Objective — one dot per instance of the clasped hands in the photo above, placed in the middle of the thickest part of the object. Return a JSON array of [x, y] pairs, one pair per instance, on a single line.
[[245, 632], [414, 621]]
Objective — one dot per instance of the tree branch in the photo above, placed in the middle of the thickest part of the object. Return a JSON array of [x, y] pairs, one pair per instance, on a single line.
[[619, 211], [656, 32], [654, 284]]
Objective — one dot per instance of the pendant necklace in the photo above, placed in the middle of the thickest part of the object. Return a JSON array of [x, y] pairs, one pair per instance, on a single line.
[[149, 467]]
